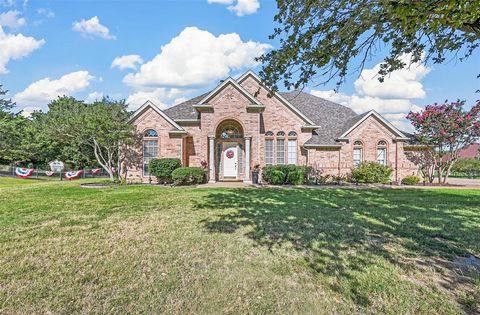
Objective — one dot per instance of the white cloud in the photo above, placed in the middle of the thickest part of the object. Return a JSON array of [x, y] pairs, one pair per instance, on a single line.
[[46, 12], [245, 7], [241, 7], [126, 62], [92, 28], [392, 98], [403, 83], [159, 96], [94, 96], [12, 19], [195, 58], [43, 91], [14, 47], [29, 110]]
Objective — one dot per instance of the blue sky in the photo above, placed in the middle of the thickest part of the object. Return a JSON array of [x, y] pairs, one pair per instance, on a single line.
[[68, 47]]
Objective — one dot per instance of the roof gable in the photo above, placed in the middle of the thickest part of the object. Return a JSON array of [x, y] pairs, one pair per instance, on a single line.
[[289, 105], [223, 85], [361, 118], [149, 104]]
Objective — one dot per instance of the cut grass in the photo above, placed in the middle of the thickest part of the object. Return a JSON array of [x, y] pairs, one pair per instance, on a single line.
[[150, 249]]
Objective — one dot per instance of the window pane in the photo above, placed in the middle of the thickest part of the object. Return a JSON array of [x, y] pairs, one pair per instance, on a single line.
[[357, 156], [382, 156], [280, 151], [292, 151], [150, 151], [268, 151]]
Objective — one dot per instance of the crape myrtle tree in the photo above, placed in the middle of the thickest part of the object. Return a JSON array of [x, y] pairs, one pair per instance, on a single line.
[[446, 128], [319, 39], [102, 127]]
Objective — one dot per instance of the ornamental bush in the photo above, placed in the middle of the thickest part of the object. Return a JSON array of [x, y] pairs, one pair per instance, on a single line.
[[468, 167], [188, 176], [410, 180], [296, 177], [162, 168], [371, 172], [285, 174]]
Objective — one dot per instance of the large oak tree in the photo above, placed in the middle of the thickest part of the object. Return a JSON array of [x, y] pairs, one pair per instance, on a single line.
[[319, 39]]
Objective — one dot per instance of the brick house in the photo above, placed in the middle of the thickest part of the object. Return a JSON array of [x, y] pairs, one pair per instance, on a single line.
[[237, 125]]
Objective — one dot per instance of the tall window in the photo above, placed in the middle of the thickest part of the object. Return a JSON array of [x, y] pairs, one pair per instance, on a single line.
[[268, 148], [382, 152], [357, 153], [280, 147], [150, 149], [268, 151], [292, 148]]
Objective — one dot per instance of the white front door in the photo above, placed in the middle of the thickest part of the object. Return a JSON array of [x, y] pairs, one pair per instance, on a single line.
[[230, 160]]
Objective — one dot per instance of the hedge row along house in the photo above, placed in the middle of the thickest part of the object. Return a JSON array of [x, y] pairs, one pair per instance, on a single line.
[[237, 126]]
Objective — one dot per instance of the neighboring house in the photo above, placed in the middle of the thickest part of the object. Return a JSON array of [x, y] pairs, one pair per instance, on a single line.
[[470, 151], [237, 126]]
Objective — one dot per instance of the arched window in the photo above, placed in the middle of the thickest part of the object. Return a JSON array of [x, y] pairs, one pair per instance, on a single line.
[[230, 130], [149, 133], [292, 148], [268, 134], [150, 149], [357, 153], [280, 134], [382, 152], [292, 134]]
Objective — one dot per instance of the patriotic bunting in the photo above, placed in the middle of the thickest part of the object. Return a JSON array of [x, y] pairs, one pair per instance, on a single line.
[[73, 174], [49, 173], [95, 171], [23, 172]]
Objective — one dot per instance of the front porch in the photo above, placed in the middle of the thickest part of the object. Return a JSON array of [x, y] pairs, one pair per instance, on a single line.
[[229, 156]]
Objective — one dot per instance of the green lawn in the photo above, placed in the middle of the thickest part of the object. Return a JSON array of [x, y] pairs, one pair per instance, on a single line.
[[149, 249]]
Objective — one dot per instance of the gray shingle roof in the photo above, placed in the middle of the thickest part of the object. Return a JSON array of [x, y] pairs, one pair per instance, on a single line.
[[333, 118], [185, 110]]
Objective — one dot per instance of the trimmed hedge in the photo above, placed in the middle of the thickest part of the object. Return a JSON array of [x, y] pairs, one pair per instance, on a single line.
[[371, 172], [188, 176], [285, 174], [410, 180], [162, 169]]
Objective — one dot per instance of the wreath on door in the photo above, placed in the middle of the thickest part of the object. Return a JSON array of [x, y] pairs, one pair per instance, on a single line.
[[229, 154]]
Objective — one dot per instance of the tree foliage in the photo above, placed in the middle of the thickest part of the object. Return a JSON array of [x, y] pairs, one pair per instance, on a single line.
[[101, 128], [446, 128], [320, 38], [5, 104]]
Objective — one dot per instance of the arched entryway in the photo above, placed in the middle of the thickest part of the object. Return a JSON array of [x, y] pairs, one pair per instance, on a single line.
[[229, 151]]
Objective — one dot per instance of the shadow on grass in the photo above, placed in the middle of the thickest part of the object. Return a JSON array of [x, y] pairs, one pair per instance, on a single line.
[[340, 231]]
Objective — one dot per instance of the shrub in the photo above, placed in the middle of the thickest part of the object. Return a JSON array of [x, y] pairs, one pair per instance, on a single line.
[[162, 168], [296, 177], [466, 167], [371, 172], [188, 176], [277, 177], [281, 174], [410, 180]]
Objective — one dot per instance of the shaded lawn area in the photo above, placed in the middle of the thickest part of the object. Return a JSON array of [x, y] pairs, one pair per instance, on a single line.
[[144, 249]]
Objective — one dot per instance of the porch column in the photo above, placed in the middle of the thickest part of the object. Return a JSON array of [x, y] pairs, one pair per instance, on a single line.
[[211, 159], [247, 178]]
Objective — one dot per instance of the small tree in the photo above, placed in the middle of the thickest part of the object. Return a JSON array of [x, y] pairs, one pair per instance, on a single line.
[[101, 128], [447, 128], [424, 159]]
